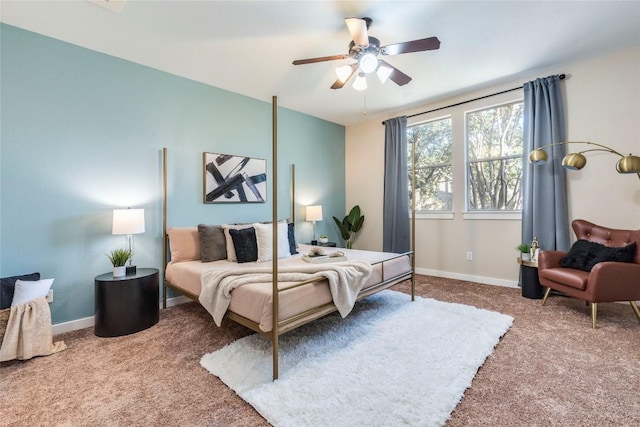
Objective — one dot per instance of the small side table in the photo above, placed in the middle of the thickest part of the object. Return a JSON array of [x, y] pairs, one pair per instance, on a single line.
[[128, 304], [531, 287]]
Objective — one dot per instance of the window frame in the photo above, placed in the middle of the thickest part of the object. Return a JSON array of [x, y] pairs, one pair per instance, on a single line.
[[433, 214], [467, 213]]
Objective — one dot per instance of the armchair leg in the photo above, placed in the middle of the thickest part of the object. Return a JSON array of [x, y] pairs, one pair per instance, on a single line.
[[546, 295], [594, 313], [634, 306]]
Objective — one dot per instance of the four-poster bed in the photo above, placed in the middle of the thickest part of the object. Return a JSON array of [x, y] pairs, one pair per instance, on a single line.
[[304, 292]]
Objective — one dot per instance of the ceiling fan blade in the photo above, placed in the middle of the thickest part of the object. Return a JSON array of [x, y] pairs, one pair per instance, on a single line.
[[358, 29], [319, 59], [397, 76], [430, 43], [338, 84]]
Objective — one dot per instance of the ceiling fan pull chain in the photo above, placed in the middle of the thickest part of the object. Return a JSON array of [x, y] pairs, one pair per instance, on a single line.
[[364, 113]]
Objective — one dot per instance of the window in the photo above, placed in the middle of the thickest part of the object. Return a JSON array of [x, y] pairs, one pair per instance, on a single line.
[[494, 158], [432, 141]]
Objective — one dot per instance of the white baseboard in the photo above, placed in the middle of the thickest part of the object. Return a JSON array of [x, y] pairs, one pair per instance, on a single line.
[[88, 322], [74, 325], [468, 277]]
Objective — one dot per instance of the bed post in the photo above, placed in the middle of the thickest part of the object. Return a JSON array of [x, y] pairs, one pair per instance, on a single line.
[[293, 194], [413, 222], [274, 261], [164, 226]]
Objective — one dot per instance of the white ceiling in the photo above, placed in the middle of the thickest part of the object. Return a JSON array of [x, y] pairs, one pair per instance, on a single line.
[[247, 46]]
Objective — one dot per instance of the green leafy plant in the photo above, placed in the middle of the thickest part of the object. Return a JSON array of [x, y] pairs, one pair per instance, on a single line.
[[524, 248], [119, 257], [350, 225]]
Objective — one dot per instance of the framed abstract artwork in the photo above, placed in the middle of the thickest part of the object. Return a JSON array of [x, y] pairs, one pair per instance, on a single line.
[[234, 179]]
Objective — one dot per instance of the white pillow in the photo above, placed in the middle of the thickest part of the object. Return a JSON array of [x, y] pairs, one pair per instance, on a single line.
[[264, 233], [26, 291], [231, 249]]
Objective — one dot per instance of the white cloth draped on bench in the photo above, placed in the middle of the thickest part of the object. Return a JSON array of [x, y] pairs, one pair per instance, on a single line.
[[346, 279], [28, 333]]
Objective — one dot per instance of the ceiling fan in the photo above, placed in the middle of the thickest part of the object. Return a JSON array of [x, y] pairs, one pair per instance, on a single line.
[[366, 50]]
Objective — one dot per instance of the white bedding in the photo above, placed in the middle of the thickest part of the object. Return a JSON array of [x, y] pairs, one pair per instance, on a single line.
[[254, 301], [345, 279]]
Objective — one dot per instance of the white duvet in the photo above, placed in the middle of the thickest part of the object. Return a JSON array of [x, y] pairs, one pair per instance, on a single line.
[[346, 279]]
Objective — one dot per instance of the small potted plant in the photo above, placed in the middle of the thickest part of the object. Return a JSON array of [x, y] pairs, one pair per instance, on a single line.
[[524, 249], [119, 258], [324, 239]]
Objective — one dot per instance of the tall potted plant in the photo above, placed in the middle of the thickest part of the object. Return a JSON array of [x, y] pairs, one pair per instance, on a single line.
[[119, 258], [350, 225]]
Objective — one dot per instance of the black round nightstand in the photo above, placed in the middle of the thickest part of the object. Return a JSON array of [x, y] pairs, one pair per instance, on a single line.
[[324, 245], [128, 304], [531, 287]]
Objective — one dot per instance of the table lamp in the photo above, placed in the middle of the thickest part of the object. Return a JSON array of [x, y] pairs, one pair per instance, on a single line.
[[128, 221], [314, 213]]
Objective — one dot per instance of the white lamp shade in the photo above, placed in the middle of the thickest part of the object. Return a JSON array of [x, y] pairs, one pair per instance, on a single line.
[[314, 213], [360, 83], [128, 221], [384, 72], [368, 63], [344, 72]]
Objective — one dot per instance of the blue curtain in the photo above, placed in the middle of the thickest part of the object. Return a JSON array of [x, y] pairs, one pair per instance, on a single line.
[[396, 235], [544, 188]]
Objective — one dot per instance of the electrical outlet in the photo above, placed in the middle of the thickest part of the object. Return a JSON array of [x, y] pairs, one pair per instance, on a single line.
[[469, 256], [50, 296]]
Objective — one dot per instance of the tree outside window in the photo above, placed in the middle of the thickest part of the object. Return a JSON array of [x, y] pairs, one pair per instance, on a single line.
[[432, 141], [494, 158]]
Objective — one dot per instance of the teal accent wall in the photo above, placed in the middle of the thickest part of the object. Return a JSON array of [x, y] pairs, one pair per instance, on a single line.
[[82, 133]]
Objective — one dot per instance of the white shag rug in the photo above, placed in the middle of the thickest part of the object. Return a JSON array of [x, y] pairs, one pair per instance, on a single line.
[[390, 362]]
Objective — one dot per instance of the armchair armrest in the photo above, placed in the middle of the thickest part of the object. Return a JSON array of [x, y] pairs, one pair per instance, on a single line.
[[550, 259], [615, 281]]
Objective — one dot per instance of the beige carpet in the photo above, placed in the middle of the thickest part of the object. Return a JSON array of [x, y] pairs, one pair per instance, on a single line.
[[550, 369]]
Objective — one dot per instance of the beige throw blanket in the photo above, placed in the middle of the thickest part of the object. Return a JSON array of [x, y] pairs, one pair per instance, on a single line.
[[346, 279], [29, 332]]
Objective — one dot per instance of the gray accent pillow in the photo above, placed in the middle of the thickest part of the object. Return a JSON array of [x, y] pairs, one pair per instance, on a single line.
[[213, 245]]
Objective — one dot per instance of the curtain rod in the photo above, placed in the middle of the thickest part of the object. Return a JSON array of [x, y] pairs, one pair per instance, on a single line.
[[561, 76]]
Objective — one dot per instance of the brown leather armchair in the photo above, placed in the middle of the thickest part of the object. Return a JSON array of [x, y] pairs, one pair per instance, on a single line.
[[606, 282]]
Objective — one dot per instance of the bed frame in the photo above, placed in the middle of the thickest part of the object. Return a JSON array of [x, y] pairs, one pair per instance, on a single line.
[[285, 325]]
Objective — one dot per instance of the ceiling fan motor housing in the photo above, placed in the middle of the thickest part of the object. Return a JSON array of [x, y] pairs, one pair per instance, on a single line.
[[356, 52]]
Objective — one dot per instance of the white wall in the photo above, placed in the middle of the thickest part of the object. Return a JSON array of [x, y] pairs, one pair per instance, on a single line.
[[602, 104]]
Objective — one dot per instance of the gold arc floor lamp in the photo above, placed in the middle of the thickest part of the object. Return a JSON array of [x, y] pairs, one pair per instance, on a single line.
[[577, 161]]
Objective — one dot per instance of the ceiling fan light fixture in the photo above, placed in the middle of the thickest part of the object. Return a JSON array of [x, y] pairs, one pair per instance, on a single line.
[[360, 83], [384, 72], [344, 73], [368, 63]]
